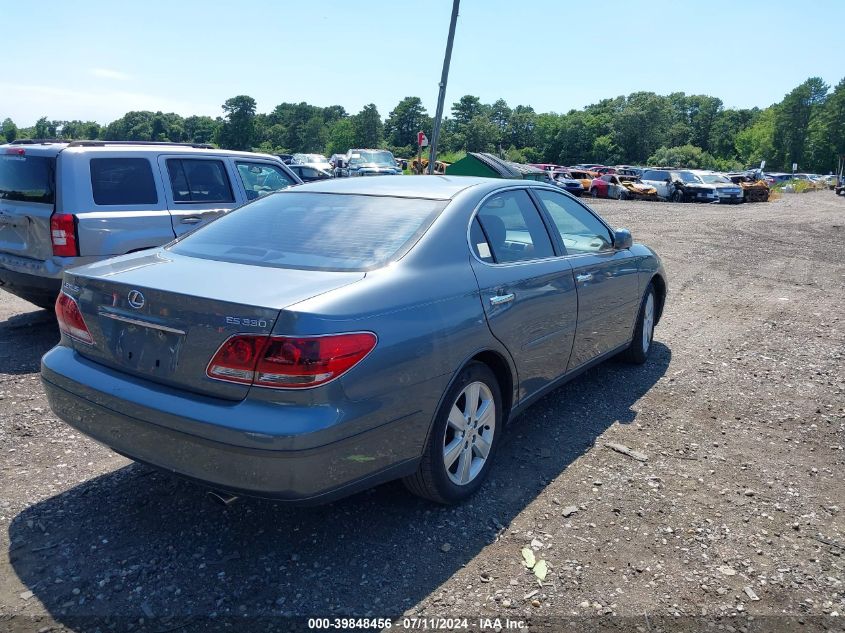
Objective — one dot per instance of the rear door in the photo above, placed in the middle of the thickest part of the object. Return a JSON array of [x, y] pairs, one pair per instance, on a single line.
[[607, 279], [27, 200], [528, 292], [198, 189]]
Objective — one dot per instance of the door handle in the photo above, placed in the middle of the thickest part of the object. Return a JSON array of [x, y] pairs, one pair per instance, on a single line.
[[498, 300], [191, 220], [584, 277]]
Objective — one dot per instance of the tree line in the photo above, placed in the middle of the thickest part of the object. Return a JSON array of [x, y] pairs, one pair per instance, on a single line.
[[807, 127]]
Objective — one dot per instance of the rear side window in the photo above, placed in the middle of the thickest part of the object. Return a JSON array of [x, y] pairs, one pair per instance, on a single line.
[[195, 180], [122, 181], [28, 178], [315, 231], [655, 175]]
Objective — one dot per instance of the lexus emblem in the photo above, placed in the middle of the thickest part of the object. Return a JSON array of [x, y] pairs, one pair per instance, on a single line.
[[136, 299]]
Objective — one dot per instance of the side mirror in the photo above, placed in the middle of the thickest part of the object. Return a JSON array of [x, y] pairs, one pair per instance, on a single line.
[[622, 239]]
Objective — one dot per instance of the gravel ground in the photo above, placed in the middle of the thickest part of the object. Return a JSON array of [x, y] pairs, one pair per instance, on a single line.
[[732, 517]]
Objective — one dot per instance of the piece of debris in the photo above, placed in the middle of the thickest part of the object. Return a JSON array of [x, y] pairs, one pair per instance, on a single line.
[[751, 595], [147, 609], [528, 557], [569, 510], [727, 571], [540, 570], [531, 594], [621, 448], [445, 547], [26, 595]]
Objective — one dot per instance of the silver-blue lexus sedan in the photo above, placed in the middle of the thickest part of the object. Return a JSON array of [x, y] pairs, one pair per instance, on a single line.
[[327, 338]]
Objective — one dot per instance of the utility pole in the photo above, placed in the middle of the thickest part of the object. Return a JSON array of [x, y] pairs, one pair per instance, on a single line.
[[441, 97]]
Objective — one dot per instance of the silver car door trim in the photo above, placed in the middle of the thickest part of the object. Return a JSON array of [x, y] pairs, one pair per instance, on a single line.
[[498, 300], [584, 277], [154, 326]]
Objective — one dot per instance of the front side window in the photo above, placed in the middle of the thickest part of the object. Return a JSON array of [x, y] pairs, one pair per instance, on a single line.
[[198, 180], [122, 181], [262, 178], [513, 228], [580, 230]]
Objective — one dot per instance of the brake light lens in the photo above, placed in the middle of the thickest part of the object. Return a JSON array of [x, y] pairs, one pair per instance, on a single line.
[[283, 362], [63, 235], [70, 319]]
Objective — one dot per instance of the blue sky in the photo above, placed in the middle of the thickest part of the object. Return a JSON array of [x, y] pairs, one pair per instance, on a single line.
[[97, 59]]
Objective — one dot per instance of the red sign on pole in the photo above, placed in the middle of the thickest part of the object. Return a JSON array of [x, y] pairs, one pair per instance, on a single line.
[[422, 139]]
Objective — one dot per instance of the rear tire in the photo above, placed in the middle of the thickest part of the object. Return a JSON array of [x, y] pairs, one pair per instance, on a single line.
[[463, 438], [641, 343]]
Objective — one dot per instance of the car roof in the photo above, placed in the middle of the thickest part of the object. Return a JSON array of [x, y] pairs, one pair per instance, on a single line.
[[85, 147], [431, 187]]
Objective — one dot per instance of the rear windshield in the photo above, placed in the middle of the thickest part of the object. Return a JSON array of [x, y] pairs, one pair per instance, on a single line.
[[28, 178], [315, 231]]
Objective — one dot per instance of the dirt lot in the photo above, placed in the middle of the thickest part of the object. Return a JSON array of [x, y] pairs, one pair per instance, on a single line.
[[735, 520]]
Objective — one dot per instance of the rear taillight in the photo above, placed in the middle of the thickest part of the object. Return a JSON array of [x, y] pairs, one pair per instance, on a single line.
[[284, 362], [63, 235], [70, 319]]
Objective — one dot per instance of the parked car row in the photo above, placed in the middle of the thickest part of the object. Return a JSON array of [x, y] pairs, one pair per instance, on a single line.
[[624, 182]]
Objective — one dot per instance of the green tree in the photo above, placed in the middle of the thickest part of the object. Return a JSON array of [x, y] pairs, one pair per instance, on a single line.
[[792, 121], [480, 134], [238, 129], [756, 143], [500, 115], [369, 130], [688, 156], [404, 121], [200, 129], [341, 137], [9, 130], [466, 109]]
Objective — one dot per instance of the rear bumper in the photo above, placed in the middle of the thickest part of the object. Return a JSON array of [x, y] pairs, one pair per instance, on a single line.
[[34, 288], [36, 280], [226, 457]]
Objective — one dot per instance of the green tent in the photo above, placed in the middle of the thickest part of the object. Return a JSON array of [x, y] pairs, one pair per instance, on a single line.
[[490, 166]]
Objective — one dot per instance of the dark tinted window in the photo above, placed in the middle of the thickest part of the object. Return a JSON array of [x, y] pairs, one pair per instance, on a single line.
[[580, 230], [654, 174], [315, 231], [513, 228], [27, 178], [196, 180], [122, 181]]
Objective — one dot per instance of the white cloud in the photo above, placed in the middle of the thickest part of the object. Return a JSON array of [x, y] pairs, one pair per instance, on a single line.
[[25, 103], [105, 73]]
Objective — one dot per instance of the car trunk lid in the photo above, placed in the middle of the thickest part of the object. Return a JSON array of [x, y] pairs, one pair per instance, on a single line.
[[162, 317]]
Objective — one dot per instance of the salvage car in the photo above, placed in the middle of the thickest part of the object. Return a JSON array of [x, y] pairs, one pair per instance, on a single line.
[[727, 190], [621, 188], [583, 176], [566, 182], [679, 185], [753, 184], [347, 332]]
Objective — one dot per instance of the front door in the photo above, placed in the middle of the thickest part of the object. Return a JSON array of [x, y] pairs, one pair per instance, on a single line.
[[607, 279], [527, 291]]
